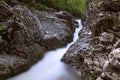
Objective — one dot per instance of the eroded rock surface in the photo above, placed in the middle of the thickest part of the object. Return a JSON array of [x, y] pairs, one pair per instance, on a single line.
[[96, 53], [28, 35]]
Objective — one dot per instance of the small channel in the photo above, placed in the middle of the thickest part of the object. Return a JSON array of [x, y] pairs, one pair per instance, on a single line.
[[51, 67]]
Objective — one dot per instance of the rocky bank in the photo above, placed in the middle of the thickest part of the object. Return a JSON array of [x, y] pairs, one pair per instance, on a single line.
[[96, 54], [27, 33]]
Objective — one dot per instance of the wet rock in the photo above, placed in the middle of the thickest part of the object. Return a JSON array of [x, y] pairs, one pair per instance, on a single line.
[[106, 38], [82, 45], [17, 50], [116, 44], [8, 64], [81, 53], [12, 2], [111, 67], [29, 34], [58, 32], [111, 5], [96, 53], [4, 13], [65, 15], [114, 58]]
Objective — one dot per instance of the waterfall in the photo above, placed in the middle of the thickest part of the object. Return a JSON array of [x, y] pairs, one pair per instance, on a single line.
[[50, 67]]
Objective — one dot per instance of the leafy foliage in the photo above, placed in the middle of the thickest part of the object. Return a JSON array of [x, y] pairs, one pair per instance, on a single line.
[[57, 4], [65, 4]]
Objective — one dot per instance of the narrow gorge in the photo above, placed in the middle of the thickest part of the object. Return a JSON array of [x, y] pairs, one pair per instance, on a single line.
[[50, 67], [59, 40]]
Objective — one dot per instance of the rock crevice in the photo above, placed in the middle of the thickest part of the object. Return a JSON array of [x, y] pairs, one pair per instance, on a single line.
[[96, 53]]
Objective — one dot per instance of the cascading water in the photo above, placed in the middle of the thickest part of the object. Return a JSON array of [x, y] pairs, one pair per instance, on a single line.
[[50, 68]]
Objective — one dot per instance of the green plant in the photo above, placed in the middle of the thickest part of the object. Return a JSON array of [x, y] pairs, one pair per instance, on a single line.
[[42, 6], [68, 5], [71, 4]]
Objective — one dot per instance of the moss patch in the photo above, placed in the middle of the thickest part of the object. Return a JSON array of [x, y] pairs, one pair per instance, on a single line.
[[2, 27]]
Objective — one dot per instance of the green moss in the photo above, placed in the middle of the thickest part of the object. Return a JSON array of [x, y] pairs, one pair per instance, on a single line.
[[58, 4], [71, 4], [82, 6], [2, 27], [43, 6]]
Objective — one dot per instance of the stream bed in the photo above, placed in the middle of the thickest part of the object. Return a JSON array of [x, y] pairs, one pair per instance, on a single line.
[[51, 67]]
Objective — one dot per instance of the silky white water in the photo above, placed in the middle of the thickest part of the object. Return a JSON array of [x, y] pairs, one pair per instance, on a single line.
[[50, 67]]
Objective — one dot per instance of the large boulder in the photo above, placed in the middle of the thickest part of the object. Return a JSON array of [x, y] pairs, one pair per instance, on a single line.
[[29, 34], [96, 53], [58, 28]]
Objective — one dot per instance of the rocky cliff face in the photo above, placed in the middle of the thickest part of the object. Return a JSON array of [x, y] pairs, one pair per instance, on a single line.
[[96, 54], [27, 34]]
